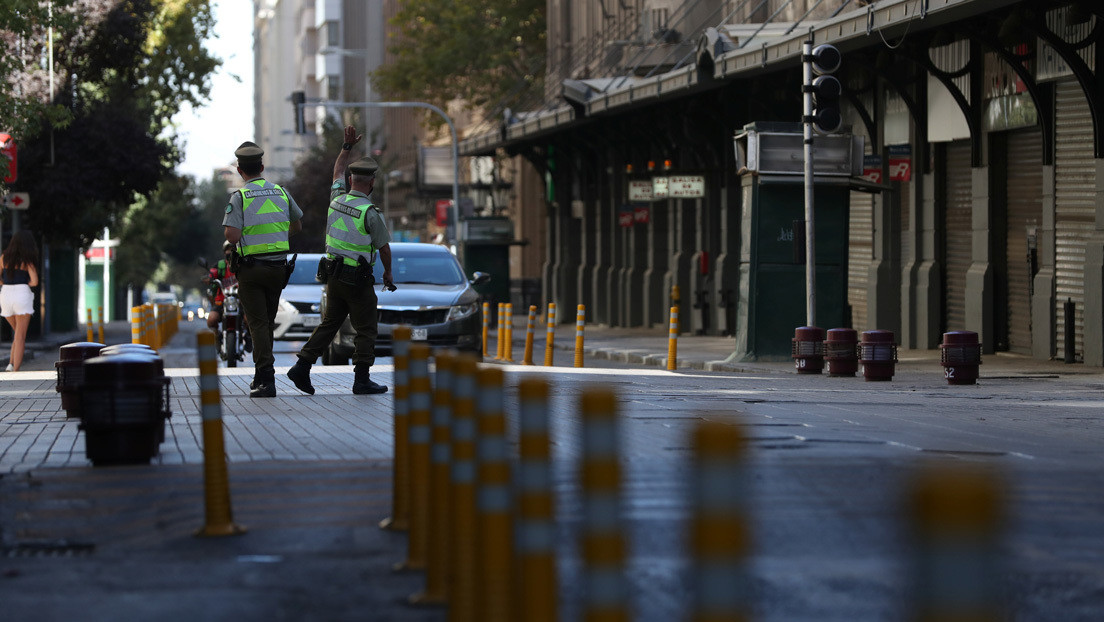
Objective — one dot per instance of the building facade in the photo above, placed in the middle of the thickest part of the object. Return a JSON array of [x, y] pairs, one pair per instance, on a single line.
[[979, 204]]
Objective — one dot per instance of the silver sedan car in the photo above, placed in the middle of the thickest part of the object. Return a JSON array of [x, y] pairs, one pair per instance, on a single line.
[[433, 298]]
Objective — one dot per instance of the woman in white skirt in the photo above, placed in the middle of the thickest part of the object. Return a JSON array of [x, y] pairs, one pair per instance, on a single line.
[[18, 274]]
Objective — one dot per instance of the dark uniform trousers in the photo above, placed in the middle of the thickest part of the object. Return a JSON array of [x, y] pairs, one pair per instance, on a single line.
[[359, 303], [259, 287]]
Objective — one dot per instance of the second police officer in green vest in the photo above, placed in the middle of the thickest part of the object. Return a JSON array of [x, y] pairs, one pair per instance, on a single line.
[[355, 234], [259, 219]]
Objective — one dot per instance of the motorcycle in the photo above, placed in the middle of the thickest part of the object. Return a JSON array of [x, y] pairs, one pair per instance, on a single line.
[[232, 334]]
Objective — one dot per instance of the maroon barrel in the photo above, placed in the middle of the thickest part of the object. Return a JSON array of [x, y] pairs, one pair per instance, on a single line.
[[960, 357], [840, 355], [878, 354], [70, 373], [808, 349]]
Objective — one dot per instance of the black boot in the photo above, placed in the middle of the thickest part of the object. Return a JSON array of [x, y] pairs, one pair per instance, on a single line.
[[264, 384], [300, 375], [362, 384]]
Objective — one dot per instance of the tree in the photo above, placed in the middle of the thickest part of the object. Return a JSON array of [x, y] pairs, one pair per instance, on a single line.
[[127, 67], [482, 52], [24, 80], [167, 232]]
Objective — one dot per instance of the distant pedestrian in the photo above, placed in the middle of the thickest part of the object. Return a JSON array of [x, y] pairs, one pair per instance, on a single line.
[[19, 275], [356, 233], [259, 219]]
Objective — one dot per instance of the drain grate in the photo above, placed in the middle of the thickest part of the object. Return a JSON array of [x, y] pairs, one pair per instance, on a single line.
[[58, 548]]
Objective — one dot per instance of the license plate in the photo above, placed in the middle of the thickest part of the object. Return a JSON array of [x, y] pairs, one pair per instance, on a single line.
[[419, 334], [312, 320]]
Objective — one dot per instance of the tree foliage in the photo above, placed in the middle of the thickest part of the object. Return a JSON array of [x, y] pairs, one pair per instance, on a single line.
[[482, 52], [125, 67], [25, 104], [168, 231]]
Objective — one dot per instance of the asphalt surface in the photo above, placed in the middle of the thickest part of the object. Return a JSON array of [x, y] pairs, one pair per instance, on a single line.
[[310, 477]]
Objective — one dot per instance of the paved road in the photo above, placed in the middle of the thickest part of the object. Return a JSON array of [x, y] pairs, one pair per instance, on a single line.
[[829, 467]]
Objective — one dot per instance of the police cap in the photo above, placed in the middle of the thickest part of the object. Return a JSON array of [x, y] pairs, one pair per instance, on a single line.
[[248, 152], [364, 166]]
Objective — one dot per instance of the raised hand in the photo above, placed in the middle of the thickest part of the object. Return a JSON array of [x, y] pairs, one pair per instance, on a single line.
[[351, 137]]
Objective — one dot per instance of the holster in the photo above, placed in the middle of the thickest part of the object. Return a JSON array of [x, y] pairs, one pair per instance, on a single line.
[[289, 268], [235, 260], [364, 274], [324, 270]]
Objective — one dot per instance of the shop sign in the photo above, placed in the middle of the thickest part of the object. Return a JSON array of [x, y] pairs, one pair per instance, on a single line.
[[686, 186]]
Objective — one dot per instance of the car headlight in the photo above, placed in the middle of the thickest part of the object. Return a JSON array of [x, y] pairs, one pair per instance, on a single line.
[[459, 312], [286, 306]]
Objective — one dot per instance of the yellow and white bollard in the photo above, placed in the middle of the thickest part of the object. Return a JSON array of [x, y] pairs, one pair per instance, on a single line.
[[463, 583], [958, 515], [508, 354], [88, 326], [101, 327], [603, 544], [527, 356], [719, 538], [538, 588], [580, 324], [136, 324], [551, 335], [500, 333], [495, 518], [420, 405], [437, 558], [486, 327], [672, 340], [400, 488], [216, 482]]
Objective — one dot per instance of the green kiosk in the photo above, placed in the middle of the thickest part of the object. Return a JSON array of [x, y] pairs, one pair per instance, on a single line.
[[772, 280], [485, 247]]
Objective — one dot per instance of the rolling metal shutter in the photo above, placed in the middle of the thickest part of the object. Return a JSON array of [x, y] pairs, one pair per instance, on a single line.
[[1074, 190], [1025, 214], [860, 251], [957, 232]]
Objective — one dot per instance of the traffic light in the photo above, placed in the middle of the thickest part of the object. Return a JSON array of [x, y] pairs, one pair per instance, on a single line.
[[298, 98], [826, 118]]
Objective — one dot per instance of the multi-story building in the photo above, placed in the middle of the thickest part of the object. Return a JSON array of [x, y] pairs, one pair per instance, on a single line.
[[326, 50]]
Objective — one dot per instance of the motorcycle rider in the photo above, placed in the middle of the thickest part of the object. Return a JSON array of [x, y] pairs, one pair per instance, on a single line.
[[226, 276], [222, 272]]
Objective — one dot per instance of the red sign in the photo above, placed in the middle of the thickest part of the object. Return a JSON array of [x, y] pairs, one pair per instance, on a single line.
[[625, 218], [443, 206], [7, 149], [640, 214]]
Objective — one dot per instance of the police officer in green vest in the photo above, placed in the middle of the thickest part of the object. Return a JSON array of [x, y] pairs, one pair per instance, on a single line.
[[260, 217], [355, 234]]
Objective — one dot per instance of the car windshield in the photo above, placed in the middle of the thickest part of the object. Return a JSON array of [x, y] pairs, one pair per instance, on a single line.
[[436, 268], [305, 269]]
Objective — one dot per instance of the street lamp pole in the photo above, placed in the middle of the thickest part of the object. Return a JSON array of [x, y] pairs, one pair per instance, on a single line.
[[452, 131]]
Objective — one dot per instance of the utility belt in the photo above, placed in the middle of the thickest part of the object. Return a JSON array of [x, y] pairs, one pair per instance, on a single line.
[[330, 268], [238, 261]]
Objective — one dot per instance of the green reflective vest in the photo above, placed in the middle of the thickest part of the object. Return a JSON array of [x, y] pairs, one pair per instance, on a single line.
[[346, 234], [266, 208]]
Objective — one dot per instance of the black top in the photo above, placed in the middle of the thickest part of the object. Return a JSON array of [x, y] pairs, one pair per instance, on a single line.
[[16, 277]]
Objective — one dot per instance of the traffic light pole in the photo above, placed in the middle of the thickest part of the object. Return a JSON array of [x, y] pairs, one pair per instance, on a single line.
[[810, 238], [452, 132]]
